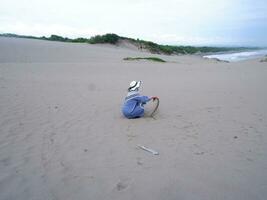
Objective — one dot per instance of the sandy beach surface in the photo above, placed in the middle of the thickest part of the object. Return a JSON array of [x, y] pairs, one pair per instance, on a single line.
[[63, 137]]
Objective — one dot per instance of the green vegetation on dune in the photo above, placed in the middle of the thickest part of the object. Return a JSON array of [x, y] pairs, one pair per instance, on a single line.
[[152, 47], [145, 58], [98, 39], [19, 36], [80, 40], [110, 38], [171, 49], [57, 38]]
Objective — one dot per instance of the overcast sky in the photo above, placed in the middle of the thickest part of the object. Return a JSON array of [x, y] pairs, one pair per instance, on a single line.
[[193, 22]]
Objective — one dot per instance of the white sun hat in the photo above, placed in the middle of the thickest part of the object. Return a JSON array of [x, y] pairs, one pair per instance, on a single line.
[[134, 85]]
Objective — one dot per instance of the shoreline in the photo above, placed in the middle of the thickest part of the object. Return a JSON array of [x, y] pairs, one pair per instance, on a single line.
[[238, 56]]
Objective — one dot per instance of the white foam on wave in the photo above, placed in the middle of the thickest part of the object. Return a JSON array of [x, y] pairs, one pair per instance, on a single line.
[[239, 56]]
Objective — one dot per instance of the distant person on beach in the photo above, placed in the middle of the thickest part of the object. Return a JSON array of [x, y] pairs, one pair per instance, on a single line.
[[133, 106]]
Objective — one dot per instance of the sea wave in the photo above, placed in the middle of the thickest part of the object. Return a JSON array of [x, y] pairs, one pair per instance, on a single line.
[[239, 56]]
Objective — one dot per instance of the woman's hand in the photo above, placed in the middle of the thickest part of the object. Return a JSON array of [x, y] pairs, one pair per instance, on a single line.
[[153, 98]]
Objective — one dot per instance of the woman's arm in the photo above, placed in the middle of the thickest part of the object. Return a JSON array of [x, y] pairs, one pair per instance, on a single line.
[[142, 99]]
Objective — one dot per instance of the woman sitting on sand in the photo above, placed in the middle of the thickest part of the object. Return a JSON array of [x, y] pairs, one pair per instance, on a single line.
[[133, 103]]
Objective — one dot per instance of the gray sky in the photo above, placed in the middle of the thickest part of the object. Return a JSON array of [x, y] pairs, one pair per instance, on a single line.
[[193, 22]]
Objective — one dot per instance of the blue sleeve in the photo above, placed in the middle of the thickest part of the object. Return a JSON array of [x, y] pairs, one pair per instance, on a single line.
[[142, 99]]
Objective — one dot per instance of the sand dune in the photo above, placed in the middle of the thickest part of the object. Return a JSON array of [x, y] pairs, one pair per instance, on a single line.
[[62, 135]]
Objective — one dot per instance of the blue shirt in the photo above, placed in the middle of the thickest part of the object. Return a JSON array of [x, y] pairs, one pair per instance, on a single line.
[[133, 106]]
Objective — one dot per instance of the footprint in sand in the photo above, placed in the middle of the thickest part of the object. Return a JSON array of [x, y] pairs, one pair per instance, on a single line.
[[122, 184], [139, 161]]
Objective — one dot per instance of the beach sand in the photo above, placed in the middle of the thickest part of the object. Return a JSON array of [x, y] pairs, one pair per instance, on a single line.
[[62, 134]]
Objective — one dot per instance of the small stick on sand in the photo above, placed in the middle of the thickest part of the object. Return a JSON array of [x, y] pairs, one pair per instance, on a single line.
[[149, 150]]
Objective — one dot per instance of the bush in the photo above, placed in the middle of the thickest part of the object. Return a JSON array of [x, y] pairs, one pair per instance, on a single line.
[[58, 38], [145, 58], [107, 38], [80, 40]]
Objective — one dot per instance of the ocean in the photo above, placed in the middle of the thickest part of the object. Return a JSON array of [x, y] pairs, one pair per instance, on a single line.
[[238, 56]]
